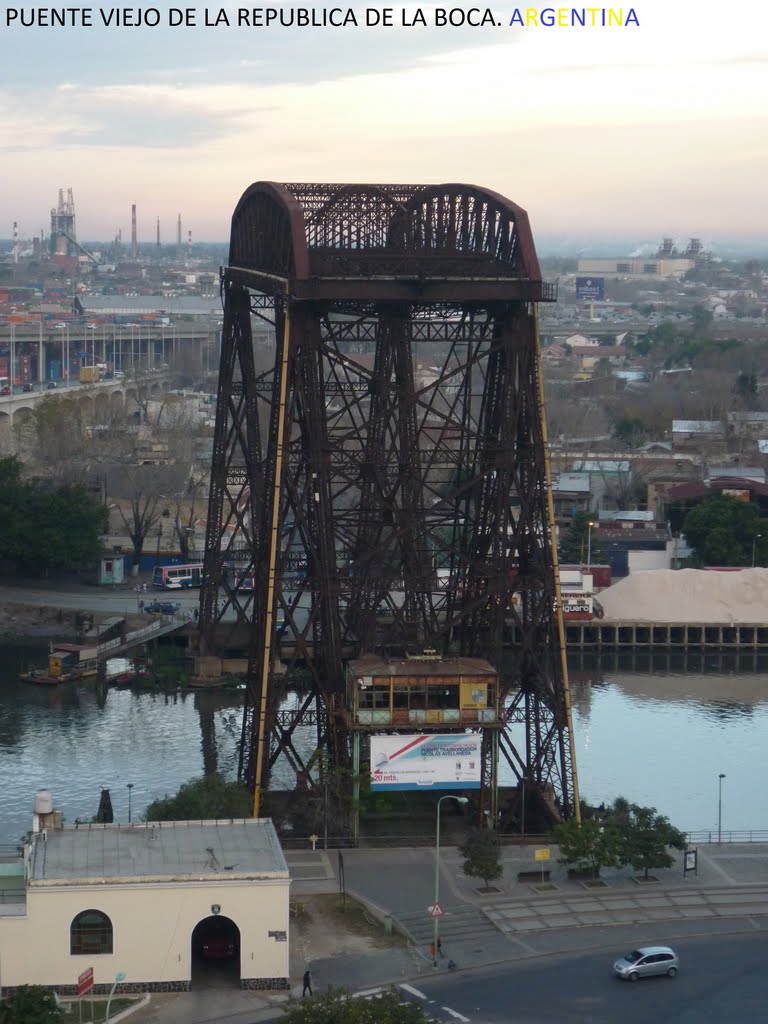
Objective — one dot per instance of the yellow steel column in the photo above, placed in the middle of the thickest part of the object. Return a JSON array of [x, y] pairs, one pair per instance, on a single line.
[[556, 567], [273, 542]]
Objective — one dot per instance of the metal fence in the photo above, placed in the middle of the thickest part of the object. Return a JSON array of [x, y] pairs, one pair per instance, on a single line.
[[757, 835]]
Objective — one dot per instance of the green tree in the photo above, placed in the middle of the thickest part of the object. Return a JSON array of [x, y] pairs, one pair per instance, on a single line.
[[629, 430], [746, 385], [647, 839], [664, 334], [588, 845], [575, 544], [481, 854], [338, 1006], [201, 799], [66, 525], [722, 531], [30, 1004], [46, 527], [11, 509], [701, 320]]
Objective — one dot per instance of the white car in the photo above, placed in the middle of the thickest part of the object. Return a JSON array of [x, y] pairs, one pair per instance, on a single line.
[[647, 961]]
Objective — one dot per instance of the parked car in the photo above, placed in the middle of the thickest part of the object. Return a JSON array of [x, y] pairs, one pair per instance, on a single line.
[[647, 961], [162, 607]]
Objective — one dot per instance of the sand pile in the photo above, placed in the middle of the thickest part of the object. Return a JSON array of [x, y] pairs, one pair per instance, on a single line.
[[689, 595]]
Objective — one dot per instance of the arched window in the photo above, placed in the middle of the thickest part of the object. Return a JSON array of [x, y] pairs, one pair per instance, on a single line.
[[90, 933]]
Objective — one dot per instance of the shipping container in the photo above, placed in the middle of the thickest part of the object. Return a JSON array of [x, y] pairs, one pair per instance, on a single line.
[[601, 574]]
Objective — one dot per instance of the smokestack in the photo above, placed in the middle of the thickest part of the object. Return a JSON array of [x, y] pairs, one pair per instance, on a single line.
[[15, 241], [189, 241], [134, 246], [158, 232], [178, 236]]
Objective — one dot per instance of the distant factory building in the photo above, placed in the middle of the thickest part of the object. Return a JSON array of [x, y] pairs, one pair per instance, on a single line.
[[637, 267]]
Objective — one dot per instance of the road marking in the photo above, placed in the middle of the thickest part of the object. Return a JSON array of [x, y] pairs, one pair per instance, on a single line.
[[367, 993], [413, 991], [458, 1016]]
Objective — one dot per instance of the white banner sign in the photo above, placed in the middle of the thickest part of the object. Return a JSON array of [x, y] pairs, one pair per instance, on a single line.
[[426, 762]]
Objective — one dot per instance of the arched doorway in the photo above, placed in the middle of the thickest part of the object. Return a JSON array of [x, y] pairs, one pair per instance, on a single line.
[[216, 953]]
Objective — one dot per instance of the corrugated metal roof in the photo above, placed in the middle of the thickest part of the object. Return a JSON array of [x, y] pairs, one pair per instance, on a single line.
[[572, 482], [697, 427], [603, 466]]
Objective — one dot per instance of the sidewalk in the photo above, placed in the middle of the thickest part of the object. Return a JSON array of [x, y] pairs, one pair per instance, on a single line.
[[521, 921]]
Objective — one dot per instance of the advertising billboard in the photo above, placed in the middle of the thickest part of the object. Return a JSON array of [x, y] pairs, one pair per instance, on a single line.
[[437, 761], [590, 288]]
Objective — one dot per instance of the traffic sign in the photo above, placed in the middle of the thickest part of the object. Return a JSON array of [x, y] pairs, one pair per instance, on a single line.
[[85, 981], [436, 910]]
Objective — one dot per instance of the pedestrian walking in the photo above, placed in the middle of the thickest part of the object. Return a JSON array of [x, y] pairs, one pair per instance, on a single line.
[[141, 607], [440, 948], [307, 983]]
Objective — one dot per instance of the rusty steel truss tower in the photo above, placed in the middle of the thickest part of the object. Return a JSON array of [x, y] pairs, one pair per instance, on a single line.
[[380, 477]]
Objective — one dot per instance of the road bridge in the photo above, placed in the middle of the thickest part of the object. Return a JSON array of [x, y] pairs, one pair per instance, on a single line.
[[49, 348]]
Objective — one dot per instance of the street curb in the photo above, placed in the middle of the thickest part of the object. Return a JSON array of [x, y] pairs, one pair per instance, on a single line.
[[527, 958]]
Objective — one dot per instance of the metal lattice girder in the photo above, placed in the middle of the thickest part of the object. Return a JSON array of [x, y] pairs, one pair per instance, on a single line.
[[384, 481]]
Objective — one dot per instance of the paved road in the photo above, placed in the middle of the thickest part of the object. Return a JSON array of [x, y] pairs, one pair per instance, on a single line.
[[721, 979], [105, 600]]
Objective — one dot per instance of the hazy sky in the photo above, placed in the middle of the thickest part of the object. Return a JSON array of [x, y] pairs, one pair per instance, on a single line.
[[642, 130]]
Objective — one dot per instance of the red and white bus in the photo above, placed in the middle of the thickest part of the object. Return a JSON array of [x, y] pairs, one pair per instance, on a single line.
[[177, 577]]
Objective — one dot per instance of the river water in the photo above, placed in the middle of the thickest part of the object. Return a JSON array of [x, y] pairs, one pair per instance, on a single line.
[[657, 737]]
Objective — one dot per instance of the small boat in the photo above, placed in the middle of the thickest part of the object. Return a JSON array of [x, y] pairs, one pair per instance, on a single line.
[[67, 663], [125, 672], [120, 672], [40, 676]]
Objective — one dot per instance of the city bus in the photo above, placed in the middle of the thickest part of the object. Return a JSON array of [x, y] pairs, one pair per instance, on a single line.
[[177, 577]]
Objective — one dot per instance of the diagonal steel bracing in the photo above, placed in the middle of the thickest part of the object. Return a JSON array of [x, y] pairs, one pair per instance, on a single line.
[[383, 481]]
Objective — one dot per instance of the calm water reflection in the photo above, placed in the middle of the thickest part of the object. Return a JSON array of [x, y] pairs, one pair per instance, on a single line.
[[75, 739], [653, 733]]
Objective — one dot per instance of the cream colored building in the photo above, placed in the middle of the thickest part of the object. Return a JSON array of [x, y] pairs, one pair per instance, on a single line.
[[634, 267], [159, 902]]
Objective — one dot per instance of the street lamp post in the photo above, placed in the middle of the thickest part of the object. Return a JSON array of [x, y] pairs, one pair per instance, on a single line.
[[522, 807], [435, 918], [720, 778], [590, 524], [755, 539], [120, 976], [130, 787]]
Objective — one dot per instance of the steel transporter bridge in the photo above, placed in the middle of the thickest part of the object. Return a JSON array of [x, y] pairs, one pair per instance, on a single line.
[[380, 486]]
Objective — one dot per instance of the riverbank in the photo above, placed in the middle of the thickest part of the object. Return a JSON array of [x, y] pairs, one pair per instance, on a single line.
[[56, 610], [19, 621], [24, 622]]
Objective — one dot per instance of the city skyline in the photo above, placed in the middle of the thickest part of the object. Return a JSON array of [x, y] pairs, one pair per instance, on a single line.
[[651, 128]]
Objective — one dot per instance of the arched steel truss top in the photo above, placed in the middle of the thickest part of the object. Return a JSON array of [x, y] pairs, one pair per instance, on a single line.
[[384, 242]]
